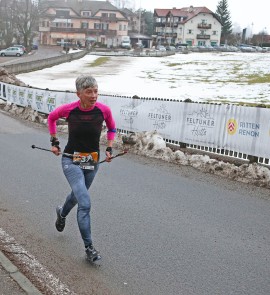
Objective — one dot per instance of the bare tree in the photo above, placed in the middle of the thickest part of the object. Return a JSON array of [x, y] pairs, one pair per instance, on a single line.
[[26, 20], [19, 20], [7, 23]]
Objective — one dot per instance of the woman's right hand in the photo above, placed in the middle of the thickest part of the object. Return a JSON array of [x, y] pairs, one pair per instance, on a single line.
[[56, 150]]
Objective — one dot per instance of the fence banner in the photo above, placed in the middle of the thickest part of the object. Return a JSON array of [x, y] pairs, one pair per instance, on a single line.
[[247, 130], [144, 115], [241, 129], [202, 124]]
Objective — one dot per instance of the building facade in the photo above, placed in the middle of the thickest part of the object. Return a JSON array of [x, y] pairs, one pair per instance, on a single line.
[[82, 22], [195, 26]]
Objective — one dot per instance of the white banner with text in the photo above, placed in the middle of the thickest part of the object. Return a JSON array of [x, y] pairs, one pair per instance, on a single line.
[[241, 129]]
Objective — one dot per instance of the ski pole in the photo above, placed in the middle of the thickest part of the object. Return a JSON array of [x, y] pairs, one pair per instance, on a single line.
[[47, 150], [71, 155], [113, 157]]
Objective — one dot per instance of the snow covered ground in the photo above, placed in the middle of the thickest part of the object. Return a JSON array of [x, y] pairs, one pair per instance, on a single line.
[[204, 77]]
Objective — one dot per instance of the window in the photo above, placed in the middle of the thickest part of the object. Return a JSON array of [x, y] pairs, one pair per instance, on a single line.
[[62, 13], [84, 25], [97, 26], [86, 13], [112, 15], [120, 27], [214, 32], [105, 26], [104, 14], [189, 31]]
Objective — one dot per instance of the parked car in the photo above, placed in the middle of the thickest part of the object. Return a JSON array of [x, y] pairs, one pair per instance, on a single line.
[[20, 46], [170, 48], [12, 51], [161, 48]]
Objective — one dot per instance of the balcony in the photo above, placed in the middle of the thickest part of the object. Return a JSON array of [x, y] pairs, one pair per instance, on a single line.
[[202, 36], [204, 26], [167, 35], [44, 29], [97, 32], [160, 25]]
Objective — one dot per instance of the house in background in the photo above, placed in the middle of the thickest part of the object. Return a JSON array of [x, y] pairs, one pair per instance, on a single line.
[[195, 26], [136, 29], [81, 22]]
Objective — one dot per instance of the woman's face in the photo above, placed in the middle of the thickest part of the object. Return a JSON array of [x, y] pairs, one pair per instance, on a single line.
[[88, 96]]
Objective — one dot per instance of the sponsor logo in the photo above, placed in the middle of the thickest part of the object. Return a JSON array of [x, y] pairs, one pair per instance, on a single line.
[[232, 126], [242, 128], [51, 102], [200, 121], [160, 117], [14, 94], [22, 96], [129, 112], [29, 98], [39, 101], [9, 89]]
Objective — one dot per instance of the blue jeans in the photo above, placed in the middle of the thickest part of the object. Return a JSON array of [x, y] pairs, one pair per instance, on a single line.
[[80, 181]]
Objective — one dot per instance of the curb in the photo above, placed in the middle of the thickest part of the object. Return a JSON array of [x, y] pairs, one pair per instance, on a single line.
[[22, 281]]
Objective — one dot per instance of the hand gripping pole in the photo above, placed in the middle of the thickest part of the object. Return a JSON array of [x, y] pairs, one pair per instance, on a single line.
[[71, 155]]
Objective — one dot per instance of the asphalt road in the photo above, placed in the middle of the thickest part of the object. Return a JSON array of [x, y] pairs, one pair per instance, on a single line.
[[161, 228], [41, 53]]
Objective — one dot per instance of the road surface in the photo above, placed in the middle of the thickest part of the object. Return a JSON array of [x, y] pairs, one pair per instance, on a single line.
[[161, 228]]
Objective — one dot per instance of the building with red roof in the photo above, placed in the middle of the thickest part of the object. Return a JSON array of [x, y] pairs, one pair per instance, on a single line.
[[194, 26]]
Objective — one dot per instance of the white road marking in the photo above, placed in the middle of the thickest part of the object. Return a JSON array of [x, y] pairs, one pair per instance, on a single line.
[[48, 281]]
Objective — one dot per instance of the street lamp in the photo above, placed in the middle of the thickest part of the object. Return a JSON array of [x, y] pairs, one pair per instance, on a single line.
[[262, 36]]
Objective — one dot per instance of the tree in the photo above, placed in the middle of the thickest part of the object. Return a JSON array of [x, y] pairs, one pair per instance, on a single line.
[[7, 24], [148, 17], [26, 20], [223, 15], [19, 20]]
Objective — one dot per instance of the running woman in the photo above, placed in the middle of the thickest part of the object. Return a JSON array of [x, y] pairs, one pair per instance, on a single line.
[[85, 119]]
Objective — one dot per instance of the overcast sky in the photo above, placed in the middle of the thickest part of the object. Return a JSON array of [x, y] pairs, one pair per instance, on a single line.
[[242, 12]]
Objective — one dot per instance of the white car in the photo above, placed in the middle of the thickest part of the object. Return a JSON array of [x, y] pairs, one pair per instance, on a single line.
[[12, 51], [161, 48]]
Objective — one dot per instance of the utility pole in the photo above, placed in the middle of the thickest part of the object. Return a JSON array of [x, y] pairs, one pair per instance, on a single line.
[[140, 16]]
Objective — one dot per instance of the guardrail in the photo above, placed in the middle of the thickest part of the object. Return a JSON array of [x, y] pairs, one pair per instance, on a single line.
[[30, 66], [141, 53]]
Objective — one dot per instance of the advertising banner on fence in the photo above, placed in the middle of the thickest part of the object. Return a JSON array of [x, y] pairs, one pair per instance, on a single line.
[[235, 128], [203, 124], [143, 115], [247, 130]]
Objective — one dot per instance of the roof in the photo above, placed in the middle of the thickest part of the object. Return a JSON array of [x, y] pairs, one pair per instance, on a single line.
[[186, 12], [127, 12], [78, 6]]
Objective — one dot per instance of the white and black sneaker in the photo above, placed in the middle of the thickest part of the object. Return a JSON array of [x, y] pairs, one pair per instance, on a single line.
[[92, 254], [60, 221]]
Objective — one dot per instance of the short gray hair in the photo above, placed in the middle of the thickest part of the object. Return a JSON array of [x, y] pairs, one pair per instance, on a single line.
[[85, 81]]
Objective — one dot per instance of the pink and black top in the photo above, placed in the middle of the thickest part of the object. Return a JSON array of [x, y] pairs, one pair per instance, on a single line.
[[84, 125]]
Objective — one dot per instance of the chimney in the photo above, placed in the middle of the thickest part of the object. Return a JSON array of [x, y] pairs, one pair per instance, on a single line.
[[191, 8]]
